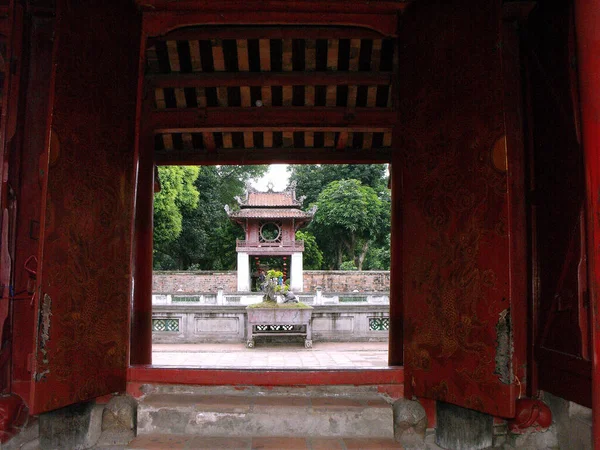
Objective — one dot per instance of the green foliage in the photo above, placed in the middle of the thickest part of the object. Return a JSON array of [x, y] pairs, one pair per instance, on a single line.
[[273, 274], [348, 265], [177, 196], [206, 240], [313, 256], [350, 217], [352, 224], [312, 179]]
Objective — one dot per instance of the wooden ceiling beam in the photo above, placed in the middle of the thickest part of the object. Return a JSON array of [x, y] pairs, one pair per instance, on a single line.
[[192, 120], [274, 156], [267, 32], [213, 79]]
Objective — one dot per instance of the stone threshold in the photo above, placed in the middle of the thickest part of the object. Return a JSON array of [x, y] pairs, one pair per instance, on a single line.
[[165, 441]]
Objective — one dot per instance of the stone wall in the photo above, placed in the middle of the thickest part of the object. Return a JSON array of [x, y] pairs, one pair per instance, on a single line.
[[347, 281], [166, 282]]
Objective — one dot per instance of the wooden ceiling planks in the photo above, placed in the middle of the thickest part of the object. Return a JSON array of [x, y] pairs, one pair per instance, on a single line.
[[225, 92]]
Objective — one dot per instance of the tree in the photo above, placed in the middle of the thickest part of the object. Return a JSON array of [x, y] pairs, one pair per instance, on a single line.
[[177, 196], [313, 256], [311, 179], [349, 218], [207, 237]]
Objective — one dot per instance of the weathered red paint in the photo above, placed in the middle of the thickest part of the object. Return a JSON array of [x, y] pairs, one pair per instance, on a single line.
[[141, 315], [12, 27], [457, 244], [160, 23], [396, 340], [530, 414], [587, 17], [26, 180], [138, 375], [83, 292], [556, 192], [515, 155], [13, 415]]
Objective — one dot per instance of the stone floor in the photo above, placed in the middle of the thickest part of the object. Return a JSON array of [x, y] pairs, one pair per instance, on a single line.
[[323, 355]]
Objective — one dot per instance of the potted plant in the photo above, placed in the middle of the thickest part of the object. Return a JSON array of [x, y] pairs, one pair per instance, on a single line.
[[290, 317]]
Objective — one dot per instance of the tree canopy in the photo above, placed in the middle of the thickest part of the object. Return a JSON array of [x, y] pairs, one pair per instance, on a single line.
[[177, 196], [206, 237], [349, 219], [311, 179], [350, 230]]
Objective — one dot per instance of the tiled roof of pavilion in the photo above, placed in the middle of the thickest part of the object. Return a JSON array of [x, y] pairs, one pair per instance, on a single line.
[[270, 205], [270, 199]]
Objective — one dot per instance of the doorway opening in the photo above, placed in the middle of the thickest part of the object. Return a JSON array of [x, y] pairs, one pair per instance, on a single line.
[[316, 236], [220, 96]]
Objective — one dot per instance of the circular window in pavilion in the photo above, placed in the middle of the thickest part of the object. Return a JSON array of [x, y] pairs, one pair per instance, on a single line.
[[270, 232]]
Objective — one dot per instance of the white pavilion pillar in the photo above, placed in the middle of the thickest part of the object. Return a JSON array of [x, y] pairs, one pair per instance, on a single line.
[[297, 277], [243, 272]]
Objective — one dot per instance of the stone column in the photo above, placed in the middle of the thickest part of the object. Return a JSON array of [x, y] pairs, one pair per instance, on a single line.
[[297, 271], [243, 272]]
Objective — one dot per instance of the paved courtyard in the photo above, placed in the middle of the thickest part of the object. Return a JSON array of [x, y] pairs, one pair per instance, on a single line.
[[328, 355]]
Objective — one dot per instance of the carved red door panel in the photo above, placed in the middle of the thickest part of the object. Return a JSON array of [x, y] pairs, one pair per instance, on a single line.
[[84, 271], [457, 294]]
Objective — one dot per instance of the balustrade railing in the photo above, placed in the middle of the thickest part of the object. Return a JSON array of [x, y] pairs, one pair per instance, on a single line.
[[296, 246]]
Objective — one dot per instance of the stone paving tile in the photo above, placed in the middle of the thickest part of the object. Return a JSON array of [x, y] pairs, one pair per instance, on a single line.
[[323, 355]]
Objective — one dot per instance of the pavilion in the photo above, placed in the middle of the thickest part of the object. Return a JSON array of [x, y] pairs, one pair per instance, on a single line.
[[270, 221]]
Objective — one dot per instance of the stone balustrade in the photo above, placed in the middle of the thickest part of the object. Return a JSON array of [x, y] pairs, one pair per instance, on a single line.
[[221, 318]]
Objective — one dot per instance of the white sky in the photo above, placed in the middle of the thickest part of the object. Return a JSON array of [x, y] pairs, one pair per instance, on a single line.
[[277, 174]]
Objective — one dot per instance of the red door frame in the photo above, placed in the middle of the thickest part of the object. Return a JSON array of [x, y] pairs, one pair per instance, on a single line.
[[141, 371], [587, 17]]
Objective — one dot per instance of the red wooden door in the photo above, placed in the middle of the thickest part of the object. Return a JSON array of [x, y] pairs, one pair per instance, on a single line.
[[458, 293], [560, 294], [84, 271]]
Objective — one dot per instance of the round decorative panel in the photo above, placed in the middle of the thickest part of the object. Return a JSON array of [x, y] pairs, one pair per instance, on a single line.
[[270, 232]]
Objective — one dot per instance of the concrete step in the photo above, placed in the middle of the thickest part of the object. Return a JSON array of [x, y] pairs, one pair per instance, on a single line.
[[266, 414], [166, 441]]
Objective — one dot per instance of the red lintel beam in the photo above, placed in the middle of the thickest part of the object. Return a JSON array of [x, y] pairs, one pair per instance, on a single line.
[[214, 79], [275, 156], [229, 129], [192, 119], [266, 6], [159, 23], [267, 32]]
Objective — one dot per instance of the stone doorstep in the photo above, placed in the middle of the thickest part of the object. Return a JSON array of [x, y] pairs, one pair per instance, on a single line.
[[163, 441], [338, 391], [274, 415], [247, 403]]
